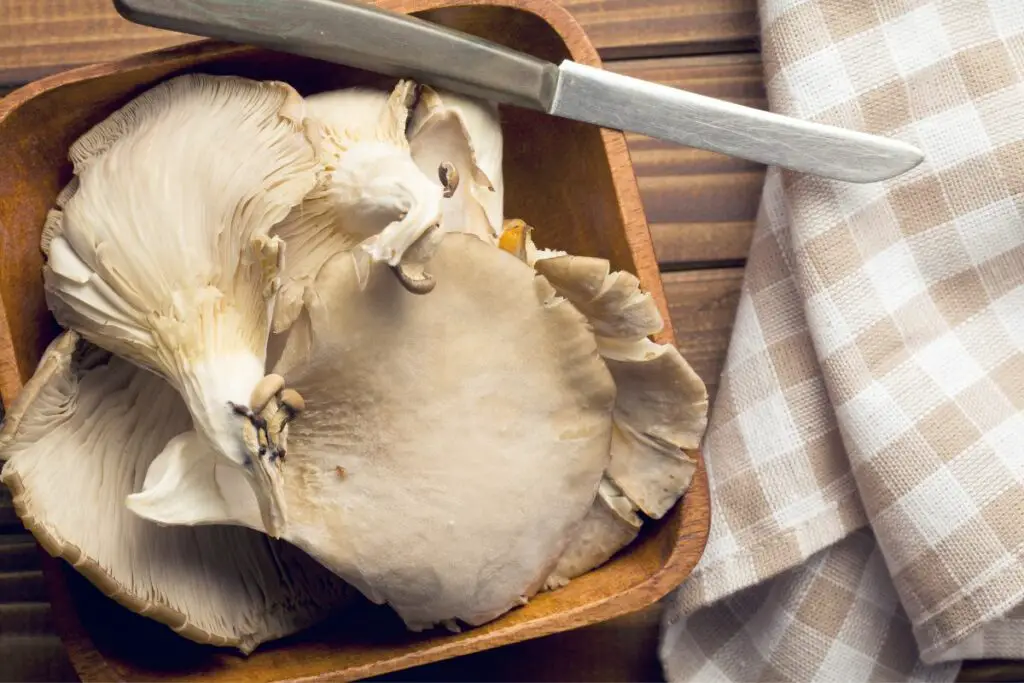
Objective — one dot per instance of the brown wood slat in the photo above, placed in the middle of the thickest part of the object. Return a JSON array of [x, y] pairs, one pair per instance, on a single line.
[[645, 28], [37, 658], [702, 305], [700, 205], [43, 36]]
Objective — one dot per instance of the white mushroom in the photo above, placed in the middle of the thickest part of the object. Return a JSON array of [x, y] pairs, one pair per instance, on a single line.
[[377, 193], [661, 404], [400, 183], [78, 439], [447, 128], [159, 250], [450, 444]]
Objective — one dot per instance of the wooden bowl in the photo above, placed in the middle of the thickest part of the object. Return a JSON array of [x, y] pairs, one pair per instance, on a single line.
[[574, 182]]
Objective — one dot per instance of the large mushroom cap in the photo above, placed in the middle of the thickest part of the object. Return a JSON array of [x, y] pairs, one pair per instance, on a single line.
[[159, 250], [407, 170], [449, 128], [450, 443], [661, 404], [472, 426], [79, 439]]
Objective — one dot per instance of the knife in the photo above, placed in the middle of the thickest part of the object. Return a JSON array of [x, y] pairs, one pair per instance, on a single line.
[[386, 42]]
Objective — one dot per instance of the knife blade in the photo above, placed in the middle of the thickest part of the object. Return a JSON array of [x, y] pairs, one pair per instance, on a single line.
[[374, 39]]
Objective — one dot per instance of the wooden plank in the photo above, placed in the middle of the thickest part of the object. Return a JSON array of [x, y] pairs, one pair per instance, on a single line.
[[645, 28], [26, 618], [43, 36], [18, 552], [700, 205], [34, 658], [23, 586], [702, 305]]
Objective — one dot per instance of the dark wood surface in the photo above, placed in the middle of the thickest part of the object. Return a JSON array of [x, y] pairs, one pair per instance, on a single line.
[[701, 208]]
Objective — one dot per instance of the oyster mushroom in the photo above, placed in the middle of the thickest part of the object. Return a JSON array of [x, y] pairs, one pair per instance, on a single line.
[[661, 404], [450, 444], [435, 169], [78, 439], [465, 134], [159, 250], [377, 194]]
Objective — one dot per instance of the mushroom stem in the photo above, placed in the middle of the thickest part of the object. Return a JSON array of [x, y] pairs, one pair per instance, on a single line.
[[289, 405], [265, 389]]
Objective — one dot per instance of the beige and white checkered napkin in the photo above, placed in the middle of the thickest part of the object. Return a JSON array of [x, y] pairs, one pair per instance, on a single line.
[[866, 447]]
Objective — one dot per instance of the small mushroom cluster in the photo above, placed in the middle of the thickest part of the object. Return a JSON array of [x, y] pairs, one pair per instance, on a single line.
[[306, 356]]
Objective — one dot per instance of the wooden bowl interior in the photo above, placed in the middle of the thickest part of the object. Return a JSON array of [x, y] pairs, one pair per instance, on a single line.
[[558, 177]]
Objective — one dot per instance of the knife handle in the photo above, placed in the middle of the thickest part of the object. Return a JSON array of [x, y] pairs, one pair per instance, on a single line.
[[361, 35], [629, 104]]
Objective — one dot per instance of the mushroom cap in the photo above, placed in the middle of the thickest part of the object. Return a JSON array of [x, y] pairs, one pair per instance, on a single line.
[[450, 443], [78, 439], [661, 404], [159, 250], [660, 413], [611, 301], [481, 120], [465, 132], [472, 425], [385, 192]]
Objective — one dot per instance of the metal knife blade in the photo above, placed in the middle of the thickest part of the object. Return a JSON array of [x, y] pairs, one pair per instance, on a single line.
[[374, 39]]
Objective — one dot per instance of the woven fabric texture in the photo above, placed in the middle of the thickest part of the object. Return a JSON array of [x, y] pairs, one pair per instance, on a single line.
[[866, 446]]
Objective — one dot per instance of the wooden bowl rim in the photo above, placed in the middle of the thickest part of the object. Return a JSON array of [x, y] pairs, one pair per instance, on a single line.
[[693, 533]]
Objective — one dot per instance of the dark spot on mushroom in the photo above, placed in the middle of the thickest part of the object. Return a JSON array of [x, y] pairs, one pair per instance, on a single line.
[[449, 176], [239, 409]]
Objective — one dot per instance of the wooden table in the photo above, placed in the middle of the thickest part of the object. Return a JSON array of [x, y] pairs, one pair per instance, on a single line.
[[701, 207]]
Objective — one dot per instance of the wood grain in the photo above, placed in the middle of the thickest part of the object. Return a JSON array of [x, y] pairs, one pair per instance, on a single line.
[[42, 36], [642, 28], [38, 37], [700, 205], [702, 305]]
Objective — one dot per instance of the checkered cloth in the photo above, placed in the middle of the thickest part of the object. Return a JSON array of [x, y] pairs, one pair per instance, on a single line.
[[866, 447]]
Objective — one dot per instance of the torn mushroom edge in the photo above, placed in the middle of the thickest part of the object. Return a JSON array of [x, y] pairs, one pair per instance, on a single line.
[[515, 237]]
